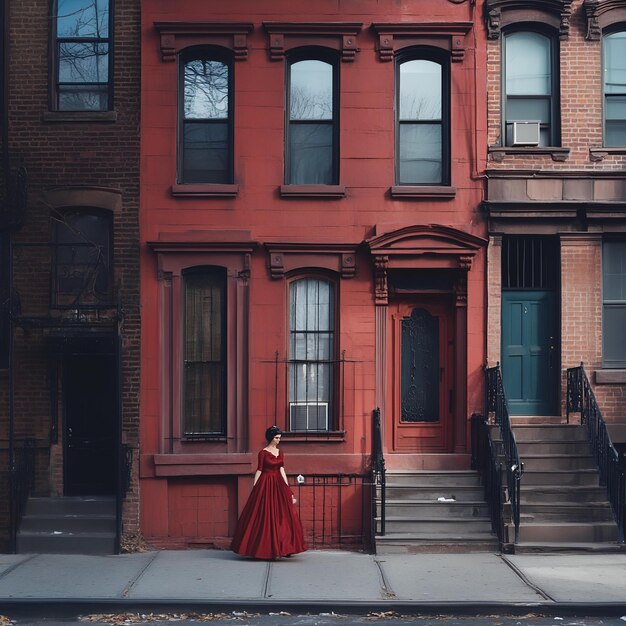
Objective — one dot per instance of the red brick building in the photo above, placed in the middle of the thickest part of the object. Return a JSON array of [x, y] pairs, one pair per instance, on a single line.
[[312, 248], [69, 389]]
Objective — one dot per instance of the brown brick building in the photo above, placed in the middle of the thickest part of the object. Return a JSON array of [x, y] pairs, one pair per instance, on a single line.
[[70, 318]]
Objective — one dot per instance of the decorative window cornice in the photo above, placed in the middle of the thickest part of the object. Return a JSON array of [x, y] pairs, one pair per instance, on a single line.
[[603, 13], [341, 36], [449, 36], [286, 257], [502, 13], [175, 36]]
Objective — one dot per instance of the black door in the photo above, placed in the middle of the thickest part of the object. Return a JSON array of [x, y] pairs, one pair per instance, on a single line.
[[90, 424]]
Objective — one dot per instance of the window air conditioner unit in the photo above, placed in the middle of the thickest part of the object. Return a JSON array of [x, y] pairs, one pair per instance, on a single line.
[[526, 133], [308, 416]]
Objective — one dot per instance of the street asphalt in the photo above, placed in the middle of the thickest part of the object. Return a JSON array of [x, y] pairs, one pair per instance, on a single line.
[[317, 580]]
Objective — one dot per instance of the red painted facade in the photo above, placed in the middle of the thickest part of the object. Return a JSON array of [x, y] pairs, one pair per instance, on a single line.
[[387, 249]]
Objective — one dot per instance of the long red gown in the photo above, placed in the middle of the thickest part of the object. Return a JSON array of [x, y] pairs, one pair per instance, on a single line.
[[269, 526]]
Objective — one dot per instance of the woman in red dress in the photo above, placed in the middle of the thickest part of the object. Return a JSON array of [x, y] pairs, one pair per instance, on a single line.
[[269, 527]]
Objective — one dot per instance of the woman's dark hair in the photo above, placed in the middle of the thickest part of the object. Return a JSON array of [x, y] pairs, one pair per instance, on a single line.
[[271, 432]]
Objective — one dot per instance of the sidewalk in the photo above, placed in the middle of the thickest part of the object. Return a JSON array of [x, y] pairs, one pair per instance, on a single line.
[[317, 580]]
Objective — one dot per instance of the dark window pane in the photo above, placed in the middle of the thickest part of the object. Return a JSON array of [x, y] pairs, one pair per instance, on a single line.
[[311, 154], [420, 367], [83, 62], [528, 109], [420, 90], [614, 270], [206, 89], [311, 91], [72, 98], [83, 18], [203, 377], [615, 133], [420, 154], [206, 152], [614, 335]]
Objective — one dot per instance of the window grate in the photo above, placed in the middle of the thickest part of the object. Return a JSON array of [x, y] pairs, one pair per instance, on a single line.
[[529, 262]]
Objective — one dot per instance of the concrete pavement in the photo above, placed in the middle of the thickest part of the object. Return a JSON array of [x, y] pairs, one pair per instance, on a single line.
[[319, 580]]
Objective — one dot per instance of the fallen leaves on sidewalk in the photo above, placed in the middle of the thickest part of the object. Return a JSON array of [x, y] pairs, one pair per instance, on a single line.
[[125, 619], [6, 621], [134, 542], [382, 614]]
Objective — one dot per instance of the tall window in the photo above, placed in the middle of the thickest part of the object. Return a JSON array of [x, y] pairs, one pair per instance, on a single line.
[[614, 303], [82, 47], [530, 85], [83, 268], [422, 122], [614, 53], [206, 117], [311, 354], [204, 354], [312, 122]]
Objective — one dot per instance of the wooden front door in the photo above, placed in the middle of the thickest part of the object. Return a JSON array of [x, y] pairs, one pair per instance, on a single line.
[[422, 374]]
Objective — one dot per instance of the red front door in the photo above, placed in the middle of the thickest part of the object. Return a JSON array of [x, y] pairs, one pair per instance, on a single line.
[[422, 374]]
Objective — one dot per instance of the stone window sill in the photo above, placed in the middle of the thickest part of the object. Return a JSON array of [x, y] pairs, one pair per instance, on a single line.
[[204, 190], [610, 376], [600, 153], [313, 191], [423, 191], [499, 152], [79, 116], [315, 437]]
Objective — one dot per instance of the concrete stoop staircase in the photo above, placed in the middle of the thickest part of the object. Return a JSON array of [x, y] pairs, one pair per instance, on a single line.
[[68, 525], [416, 520], [563, 507]]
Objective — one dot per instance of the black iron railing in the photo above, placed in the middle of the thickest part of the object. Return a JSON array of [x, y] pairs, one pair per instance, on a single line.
[[378, 474], [581, 399], [496, 406], [22, 477], [334, 509], [484, 461]]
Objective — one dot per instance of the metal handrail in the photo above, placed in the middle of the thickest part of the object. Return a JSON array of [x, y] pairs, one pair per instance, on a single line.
[[484, 461], [496, 404], [581, 399], [378, 468], [22, 476]]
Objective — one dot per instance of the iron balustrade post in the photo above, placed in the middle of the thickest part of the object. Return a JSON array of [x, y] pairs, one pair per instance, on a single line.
[[378, 468]]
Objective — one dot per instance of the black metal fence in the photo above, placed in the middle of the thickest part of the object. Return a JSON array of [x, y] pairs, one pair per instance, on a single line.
[[22, 478], [378, 474], [484, 461], [496, 406], [581, 399]]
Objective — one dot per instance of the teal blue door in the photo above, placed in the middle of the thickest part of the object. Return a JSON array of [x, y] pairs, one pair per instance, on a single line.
[[529, 351]]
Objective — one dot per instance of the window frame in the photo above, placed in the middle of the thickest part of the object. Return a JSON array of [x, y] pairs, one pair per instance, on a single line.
[[613, 363], [333, 361], [208, 53], [442, 58], [555, 95], [54, 68], [616, 28], [325, 55], [220, 273]]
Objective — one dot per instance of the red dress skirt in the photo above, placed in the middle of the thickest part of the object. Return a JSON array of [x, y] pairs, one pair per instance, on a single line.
[[269, 526]]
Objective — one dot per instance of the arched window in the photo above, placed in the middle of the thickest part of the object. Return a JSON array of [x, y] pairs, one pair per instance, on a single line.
[[204, 352], [311, 145], [530, 88], [83, 272], [422, 120], [206, 117], [614, 71], [311, 354]]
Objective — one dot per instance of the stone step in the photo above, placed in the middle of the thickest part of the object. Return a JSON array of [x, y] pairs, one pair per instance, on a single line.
[[68, 523], [583, 477], [595, 547], [70, 505], [550, 432], [29, 542], [557, 462], [574, 447], [558, 512], [560, 493], [412, 543], [450, 478], [517, 420], [568, 532], [430, 526], [460, 493], [430, 510]]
